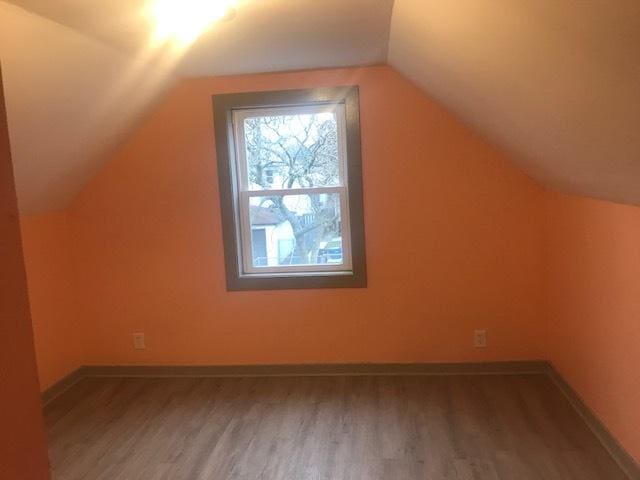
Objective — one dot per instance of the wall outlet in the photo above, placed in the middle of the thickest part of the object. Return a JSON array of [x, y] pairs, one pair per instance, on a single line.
[[138, 341], [480, 338]]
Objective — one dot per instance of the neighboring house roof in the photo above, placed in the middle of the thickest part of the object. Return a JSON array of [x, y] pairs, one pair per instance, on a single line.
[[264, 216], [555, 82]]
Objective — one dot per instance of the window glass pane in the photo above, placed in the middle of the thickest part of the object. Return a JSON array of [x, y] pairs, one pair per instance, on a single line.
[[292, 151], [296, 230]]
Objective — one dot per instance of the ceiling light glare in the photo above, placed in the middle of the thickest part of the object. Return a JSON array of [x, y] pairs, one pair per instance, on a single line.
[[183, 21]]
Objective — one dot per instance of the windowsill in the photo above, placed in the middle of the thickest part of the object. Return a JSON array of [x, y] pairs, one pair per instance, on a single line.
[[331, 273], [296, 281]]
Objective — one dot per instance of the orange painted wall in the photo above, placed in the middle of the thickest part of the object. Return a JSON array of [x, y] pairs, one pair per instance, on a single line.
[[457, 239], [59, 336], [594, 307], [453, 243], [23, 453]]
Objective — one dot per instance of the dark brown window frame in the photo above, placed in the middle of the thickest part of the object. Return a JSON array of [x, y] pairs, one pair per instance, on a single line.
[[223, 106]]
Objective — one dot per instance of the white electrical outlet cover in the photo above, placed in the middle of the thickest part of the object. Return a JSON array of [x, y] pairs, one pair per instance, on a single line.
[[138, 341], [480, 338]]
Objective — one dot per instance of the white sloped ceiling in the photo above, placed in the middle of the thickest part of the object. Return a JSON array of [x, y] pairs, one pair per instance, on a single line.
[[70, 101], [80, 73], [556, 82]]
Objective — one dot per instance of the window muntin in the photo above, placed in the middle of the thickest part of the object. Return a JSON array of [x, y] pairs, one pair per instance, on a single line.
[[292, 187]]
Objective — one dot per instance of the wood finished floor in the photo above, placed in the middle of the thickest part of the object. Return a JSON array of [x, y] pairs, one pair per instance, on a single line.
[[515, 427]]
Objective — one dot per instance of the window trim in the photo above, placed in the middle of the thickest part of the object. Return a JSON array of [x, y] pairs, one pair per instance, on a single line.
[[224, 106]]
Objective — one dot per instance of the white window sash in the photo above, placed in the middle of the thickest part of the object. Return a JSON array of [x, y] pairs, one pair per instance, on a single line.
[[245, 228], [279, 192], [244, 194]]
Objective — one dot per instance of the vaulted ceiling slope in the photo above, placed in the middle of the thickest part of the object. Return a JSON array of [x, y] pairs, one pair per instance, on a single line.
[[556, 82], [80, 73], [69, 101]]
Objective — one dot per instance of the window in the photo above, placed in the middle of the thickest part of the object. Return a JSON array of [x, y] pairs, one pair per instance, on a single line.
[[291, 189], [291, 170]]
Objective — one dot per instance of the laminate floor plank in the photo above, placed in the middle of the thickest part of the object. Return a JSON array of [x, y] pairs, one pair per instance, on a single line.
[[458, 427]]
